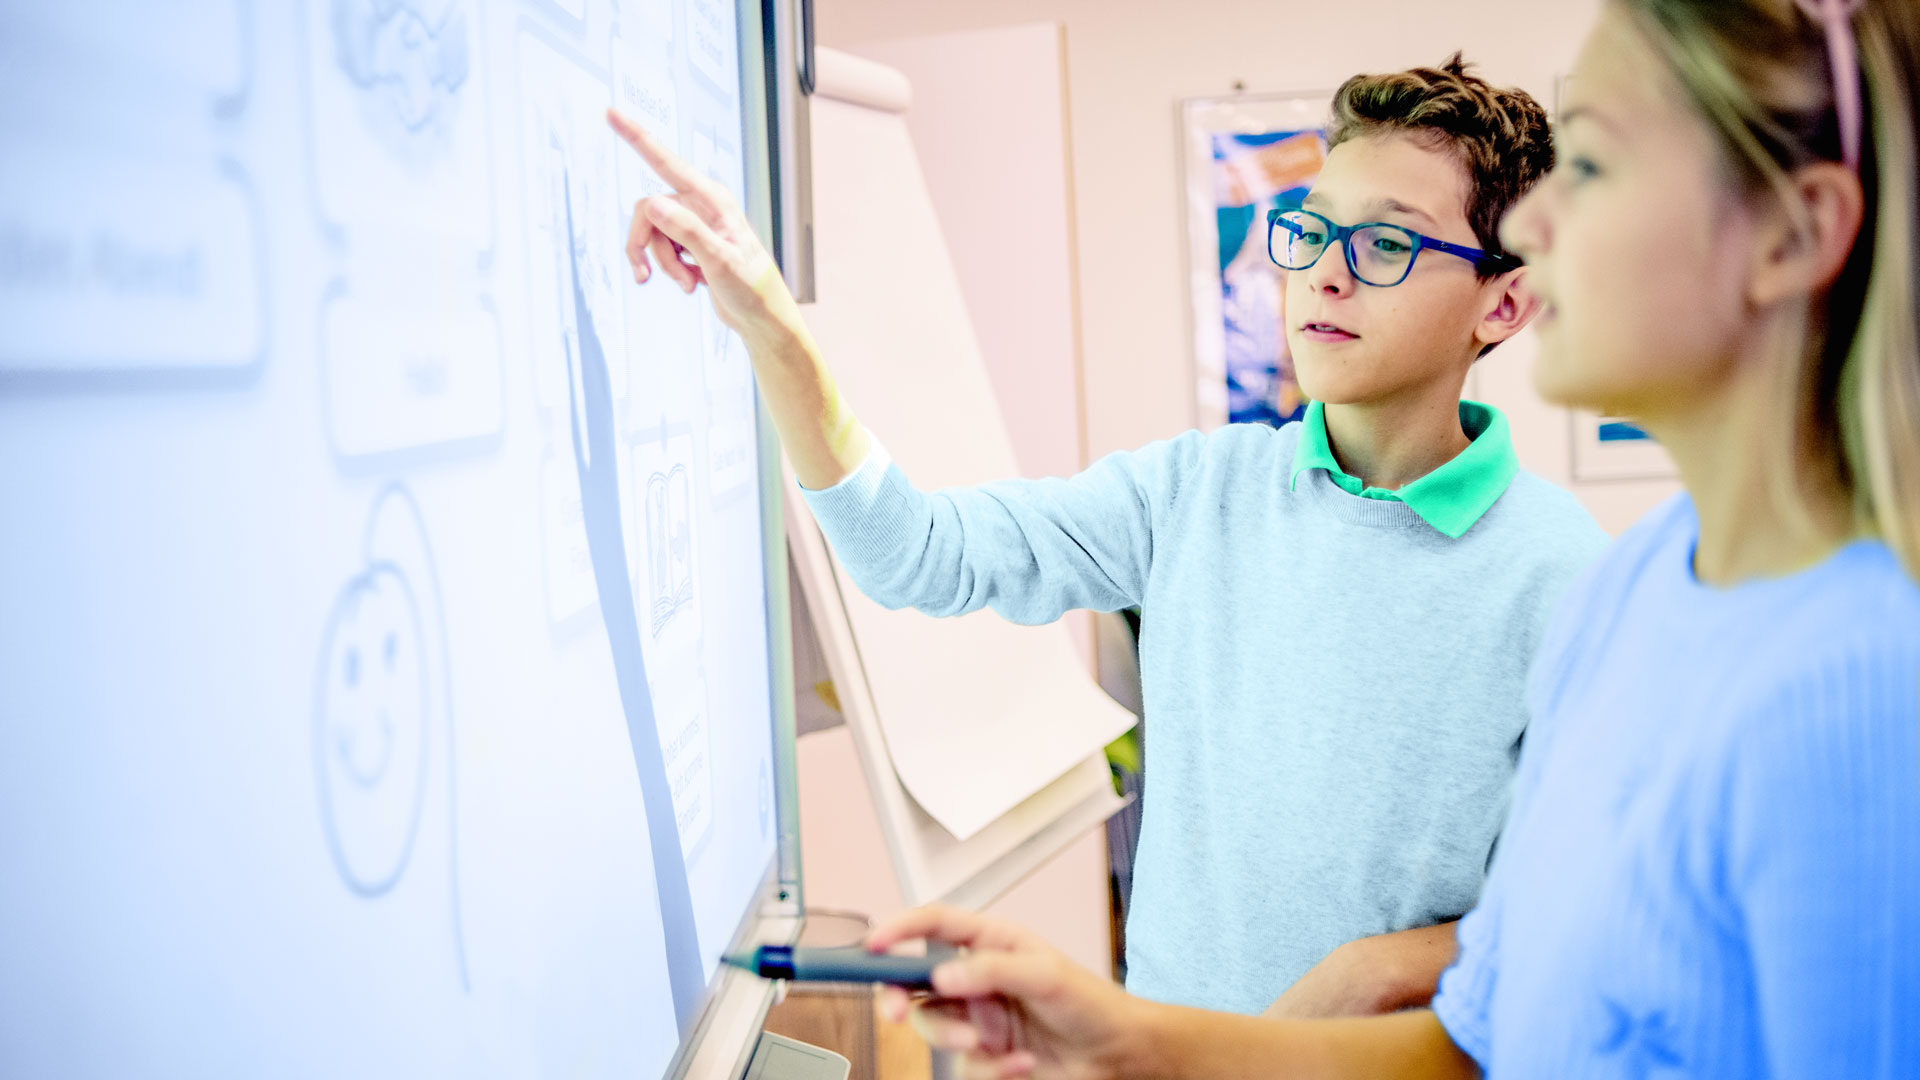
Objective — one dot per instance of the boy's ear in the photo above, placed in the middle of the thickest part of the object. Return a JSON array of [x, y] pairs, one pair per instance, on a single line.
[[1514, 306]]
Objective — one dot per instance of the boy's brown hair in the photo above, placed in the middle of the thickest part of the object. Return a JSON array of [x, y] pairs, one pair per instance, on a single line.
[[1500, 136]]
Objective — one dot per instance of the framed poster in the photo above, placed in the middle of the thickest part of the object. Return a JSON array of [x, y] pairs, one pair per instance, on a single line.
[[1613, 448], [1243, 155]]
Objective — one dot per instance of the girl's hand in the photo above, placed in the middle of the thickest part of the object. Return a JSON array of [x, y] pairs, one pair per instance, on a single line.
[[1013, 1006]]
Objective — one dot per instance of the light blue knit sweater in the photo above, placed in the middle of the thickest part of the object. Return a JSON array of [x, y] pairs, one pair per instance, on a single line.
[[1333, 689]]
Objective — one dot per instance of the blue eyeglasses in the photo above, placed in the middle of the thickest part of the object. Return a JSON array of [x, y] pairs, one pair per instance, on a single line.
[[1379, 254]]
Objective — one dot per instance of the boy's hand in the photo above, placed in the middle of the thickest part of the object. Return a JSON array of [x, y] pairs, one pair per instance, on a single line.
[[1370, 976], [823, 439], [1340, 985], [1012, 1006], [702, 218]]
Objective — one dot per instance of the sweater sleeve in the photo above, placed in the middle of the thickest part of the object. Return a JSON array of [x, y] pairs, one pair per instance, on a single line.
[[1031, 550], [1823, 865]]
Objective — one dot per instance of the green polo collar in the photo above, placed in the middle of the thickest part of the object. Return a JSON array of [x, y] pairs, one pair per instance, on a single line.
[[1450, 498]]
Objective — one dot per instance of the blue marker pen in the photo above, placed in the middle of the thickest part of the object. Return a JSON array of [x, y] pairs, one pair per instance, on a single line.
[[848, 965]]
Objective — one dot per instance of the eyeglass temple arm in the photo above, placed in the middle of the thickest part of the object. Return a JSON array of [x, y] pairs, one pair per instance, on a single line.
[[1480, 257]]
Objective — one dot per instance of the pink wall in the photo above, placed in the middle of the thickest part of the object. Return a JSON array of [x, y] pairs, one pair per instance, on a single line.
[[995, 154], [989, 124]]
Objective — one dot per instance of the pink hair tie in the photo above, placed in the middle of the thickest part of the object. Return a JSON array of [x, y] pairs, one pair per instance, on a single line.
[[1837, 17]]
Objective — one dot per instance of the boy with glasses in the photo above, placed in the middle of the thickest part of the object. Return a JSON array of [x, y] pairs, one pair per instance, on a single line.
[[1337, 616]]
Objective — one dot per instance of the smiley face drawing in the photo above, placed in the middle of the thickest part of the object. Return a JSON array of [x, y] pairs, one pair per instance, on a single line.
[[370, 728], [383, 739]]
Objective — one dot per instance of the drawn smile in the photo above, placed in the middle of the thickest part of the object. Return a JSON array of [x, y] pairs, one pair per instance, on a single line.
[[346, 745]]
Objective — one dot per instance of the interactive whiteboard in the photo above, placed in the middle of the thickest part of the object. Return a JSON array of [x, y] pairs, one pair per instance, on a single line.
[[389, 672]]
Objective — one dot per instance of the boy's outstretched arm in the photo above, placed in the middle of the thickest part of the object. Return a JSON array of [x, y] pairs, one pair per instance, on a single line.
[[1014, 1007], [1031, 550]]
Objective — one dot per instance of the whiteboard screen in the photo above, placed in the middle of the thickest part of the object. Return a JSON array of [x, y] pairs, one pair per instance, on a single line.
[[384, 634]]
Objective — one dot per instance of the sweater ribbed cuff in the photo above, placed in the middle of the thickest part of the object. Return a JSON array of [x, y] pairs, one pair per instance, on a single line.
[[868, 515]]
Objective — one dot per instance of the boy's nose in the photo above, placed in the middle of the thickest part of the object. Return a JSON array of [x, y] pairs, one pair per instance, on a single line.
[[1330, 274]]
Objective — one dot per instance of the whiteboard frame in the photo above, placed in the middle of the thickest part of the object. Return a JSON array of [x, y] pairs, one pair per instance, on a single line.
[[720, 1043]]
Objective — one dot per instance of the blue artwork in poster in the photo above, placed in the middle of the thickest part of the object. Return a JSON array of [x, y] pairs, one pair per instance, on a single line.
[[1252, 174], [1616, 431]]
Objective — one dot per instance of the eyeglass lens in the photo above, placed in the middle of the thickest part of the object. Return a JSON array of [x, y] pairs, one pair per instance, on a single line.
[[1381, 254]]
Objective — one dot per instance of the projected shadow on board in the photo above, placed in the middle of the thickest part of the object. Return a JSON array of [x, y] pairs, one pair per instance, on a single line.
[[591, 400]]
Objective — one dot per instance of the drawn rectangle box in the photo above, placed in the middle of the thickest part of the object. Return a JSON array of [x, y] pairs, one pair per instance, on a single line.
[[667, 593], [399, 376], [116, 263], [710, 33]]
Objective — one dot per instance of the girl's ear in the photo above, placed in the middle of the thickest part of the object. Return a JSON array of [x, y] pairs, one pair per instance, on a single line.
[[1805, 235], [1514, 307]]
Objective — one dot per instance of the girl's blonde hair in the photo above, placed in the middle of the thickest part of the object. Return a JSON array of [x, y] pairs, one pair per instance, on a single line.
[[1758, 71]]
